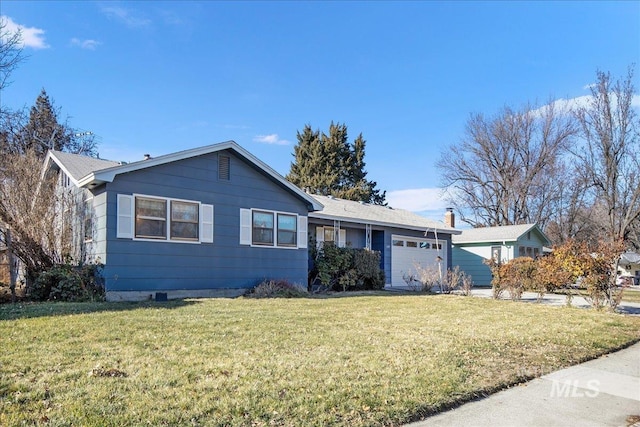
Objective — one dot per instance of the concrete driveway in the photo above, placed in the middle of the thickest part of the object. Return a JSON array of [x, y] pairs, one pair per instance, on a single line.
[[559, 300]]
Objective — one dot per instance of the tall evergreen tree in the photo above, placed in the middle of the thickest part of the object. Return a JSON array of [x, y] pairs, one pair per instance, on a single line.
[[328, 164], [42, 132]]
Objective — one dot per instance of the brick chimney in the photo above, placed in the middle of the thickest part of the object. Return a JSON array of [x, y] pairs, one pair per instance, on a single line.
[[450, 218]]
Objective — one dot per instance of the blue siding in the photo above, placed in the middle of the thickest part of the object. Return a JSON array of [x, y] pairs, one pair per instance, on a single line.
[[381, 240], [377, 244], [225, 264], [473, 265]]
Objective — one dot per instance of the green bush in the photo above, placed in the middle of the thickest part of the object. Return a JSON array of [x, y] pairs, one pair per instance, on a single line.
[[277, 289], [65, 282], [346, 269]]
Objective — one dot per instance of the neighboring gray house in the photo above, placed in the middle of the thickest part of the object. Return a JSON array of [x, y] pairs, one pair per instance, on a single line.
[[208, 221], [403, 238], [473, 246], [629, 266]]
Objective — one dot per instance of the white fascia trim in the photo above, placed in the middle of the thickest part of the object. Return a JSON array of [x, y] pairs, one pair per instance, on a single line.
[[51, 157], [109, 174], [384, 224], [493, 241]]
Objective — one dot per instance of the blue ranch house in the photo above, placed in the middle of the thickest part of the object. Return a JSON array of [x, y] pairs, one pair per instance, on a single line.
[[215, 221]]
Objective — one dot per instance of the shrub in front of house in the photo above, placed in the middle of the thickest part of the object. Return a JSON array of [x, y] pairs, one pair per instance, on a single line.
[[515, 276], [277, 289], [346, 269], [65, 282]]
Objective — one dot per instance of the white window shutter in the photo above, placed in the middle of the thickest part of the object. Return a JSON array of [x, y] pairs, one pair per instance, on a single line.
[[206, 223], [302, 232], [342, 238], [245, 226], [125, 214]]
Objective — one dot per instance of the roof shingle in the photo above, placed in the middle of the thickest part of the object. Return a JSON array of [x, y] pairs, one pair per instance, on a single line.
[[349, 210]]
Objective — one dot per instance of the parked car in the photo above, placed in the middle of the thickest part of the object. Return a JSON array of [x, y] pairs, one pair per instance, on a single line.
[[623, 280]]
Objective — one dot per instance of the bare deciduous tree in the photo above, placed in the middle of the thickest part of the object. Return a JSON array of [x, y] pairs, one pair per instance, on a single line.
[[504, 171], [609, 158], [27, 208], [10, 52]]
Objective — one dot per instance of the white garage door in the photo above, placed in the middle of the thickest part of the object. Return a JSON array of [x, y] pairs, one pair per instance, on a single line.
[[409, 252]]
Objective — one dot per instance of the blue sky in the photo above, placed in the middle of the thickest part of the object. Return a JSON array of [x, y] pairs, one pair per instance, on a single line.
[[158, 77]]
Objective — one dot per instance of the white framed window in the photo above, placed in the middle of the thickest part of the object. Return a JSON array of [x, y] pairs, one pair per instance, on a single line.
[[185, 220], [528, 251], [142, 217], [262, 228], [287, 230], [272, 229], [151, 218], [328, 234], [88, 219]]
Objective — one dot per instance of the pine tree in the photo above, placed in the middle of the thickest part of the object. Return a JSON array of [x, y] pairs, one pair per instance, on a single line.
[[42, 132], [330, 165]]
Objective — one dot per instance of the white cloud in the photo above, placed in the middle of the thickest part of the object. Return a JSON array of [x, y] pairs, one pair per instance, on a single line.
[[31, 37], [85, 44], [565, 106], [125, 16], [417, 199], [272, 139]]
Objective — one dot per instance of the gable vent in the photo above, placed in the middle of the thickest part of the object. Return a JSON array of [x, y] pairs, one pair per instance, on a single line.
[[224, 163]]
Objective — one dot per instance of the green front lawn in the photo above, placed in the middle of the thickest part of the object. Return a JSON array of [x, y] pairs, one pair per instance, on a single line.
[[361, 360]]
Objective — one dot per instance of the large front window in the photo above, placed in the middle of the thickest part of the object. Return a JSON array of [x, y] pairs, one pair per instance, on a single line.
[[184, 220], [287, 230], [262, 228], [151, 218], [266, 228], [163, 219]]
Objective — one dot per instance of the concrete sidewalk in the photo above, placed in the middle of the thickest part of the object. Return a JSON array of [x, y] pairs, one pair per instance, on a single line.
[[601, 392]]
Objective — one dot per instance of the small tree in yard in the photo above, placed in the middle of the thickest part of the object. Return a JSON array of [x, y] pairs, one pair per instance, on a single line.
[[514, 276], [427, 277], [551, 274], [30, 209], [571, 262], [455, 279]]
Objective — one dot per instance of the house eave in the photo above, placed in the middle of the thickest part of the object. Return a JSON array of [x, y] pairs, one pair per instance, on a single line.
[[108, 175], [497, 242], [320, 215]]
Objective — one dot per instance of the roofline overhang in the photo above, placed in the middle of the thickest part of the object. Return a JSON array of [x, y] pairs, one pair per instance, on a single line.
[[502, 242], [546, 241], [51, 157], [320, 215], [108, 175]]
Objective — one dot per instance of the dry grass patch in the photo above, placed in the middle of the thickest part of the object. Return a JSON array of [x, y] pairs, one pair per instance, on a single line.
[[366, 360]]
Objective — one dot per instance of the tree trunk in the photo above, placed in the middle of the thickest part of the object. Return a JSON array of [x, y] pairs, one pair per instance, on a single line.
[[13, 267]]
